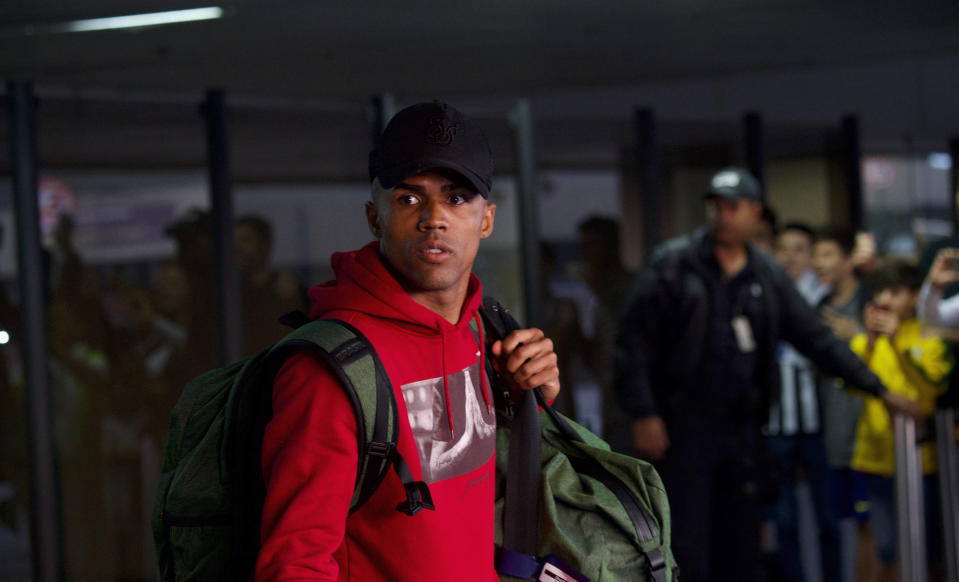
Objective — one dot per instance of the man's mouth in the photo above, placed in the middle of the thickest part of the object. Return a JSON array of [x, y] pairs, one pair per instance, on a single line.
[[434, 252]]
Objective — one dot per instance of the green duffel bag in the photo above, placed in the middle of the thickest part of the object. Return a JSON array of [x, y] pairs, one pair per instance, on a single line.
[[604, 515], [568, 509]]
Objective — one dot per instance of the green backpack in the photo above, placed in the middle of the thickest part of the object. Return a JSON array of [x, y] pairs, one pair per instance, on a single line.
[[206, 519]]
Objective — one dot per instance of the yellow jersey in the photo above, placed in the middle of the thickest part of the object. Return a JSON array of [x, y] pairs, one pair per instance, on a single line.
[[910, 365]]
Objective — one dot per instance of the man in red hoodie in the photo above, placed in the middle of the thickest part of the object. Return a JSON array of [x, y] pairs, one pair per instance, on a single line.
[[412, 293]]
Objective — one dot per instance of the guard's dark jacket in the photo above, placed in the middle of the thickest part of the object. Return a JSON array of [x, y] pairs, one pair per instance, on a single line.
[[662, 334]]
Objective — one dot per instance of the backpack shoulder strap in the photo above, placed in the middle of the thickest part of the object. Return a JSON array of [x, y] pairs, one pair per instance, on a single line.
[[351, 358]]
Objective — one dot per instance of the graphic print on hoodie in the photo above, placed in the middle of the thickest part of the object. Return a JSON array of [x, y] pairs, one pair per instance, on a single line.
[[446, 453]]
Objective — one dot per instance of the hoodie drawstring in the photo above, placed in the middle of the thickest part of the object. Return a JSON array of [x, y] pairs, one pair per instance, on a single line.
[[482, 360], [484, 381], [446, 385]]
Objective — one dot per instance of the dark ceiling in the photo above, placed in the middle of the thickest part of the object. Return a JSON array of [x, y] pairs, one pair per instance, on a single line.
[[347, 51]]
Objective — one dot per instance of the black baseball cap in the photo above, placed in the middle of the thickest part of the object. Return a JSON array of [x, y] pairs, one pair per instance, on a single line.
[[432, 135], [193, 222], [734, 183]]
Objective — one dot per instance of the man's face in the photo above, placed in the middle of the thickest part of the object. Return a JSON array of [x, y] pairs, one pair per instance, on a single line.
[[251, 250], [171, 292], [794, 252], [429, 227], [900, 300], [830, 262], [592, 247], [732, 221]]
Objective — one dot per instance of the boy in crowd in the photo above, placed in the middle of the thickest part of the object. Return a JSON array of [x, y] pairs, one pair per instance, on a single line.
[[910, 365], [835, 262], [793, 433]]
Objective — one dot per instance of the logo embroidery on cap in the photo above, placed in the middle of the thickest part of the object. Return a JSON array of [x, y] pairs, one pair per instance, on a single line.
[[440, 131], [726, 180]]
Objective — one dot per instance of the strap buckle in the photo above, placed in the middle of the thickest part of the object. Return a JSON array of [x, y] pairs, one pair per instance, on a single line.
[[382, 450], [418, 497], [657, 565]]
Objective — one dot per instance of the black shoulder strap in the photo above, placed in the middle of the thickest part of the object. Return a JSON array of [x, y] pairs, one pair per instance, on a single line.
[[351, 358], [497, 323], [521, 512]]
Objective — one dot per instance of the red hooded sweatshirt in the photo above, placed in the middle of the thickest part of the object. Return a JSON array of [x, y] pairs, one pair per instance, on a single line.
[[310, 451]]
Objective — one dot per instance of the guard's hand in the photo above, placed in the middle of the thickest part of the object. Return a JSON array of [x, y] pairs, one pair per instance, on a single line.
[[650, 437], [899, 404], [526, 360], [844, 327]]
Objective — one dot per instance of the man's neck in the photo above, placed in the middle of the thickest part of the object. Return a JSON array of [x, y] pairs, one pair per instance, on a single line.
[[732, 257], [845, 289], [446, 304]]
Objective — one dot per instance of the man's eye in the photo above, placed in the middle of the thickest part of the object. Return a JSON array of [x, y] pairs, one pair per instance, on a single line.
[[407, 199], [458, 199]]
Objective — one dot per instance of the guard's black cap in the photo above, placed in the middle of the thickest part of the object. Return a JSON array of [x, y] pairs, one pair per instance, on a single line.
[[432, 135], [734, 183]]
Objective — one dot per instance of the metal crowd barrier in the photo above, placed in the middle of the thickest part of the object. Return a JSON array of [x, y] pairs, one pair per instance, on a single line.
[[910, 531], [910, 522], [948, 490]]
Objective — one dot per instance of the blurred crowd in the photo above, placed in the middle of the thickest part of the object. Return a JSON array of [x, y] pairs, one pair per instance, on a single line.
[[120, 353], [678, 353]]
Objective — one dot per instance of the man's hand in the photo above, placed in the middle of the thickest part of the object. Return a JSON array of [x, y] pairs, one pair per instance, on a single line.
[[844, 327], [526, 360], [899, 404], [650, 437], [945, 268]]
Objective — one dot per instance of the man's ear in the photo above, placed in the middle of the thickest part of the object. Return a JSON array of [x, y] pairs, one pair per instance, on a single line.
[[373, 219], [489, 216]]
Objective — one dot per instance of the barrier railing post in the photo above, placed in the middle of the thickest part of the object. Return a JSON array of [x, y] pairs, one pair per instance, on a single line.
[[910, 522], [948, 490]]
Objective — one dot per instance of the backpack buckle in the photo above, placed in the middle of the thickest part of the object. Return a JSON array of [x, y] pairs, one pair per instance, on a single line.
[[657, 565], [382, 450], [417, 497]]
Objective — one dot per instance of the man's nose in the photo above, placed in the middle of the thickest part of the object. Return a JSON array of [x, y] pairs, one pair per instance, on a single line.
[[433, 216]]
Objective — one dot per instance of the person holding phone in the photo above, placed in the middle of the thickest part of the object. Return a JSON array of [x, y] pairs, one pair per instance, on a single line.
[[934, 310]]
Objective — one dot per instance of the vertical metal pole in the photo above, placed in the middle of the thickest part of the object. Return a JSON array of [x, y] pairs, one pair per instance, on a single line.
[[32, 284], [910, 518], [650, 190], [954, 192], [521, 120], [852, 171], [948, 489], [221, 203], [755, 148], [384, 108]]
